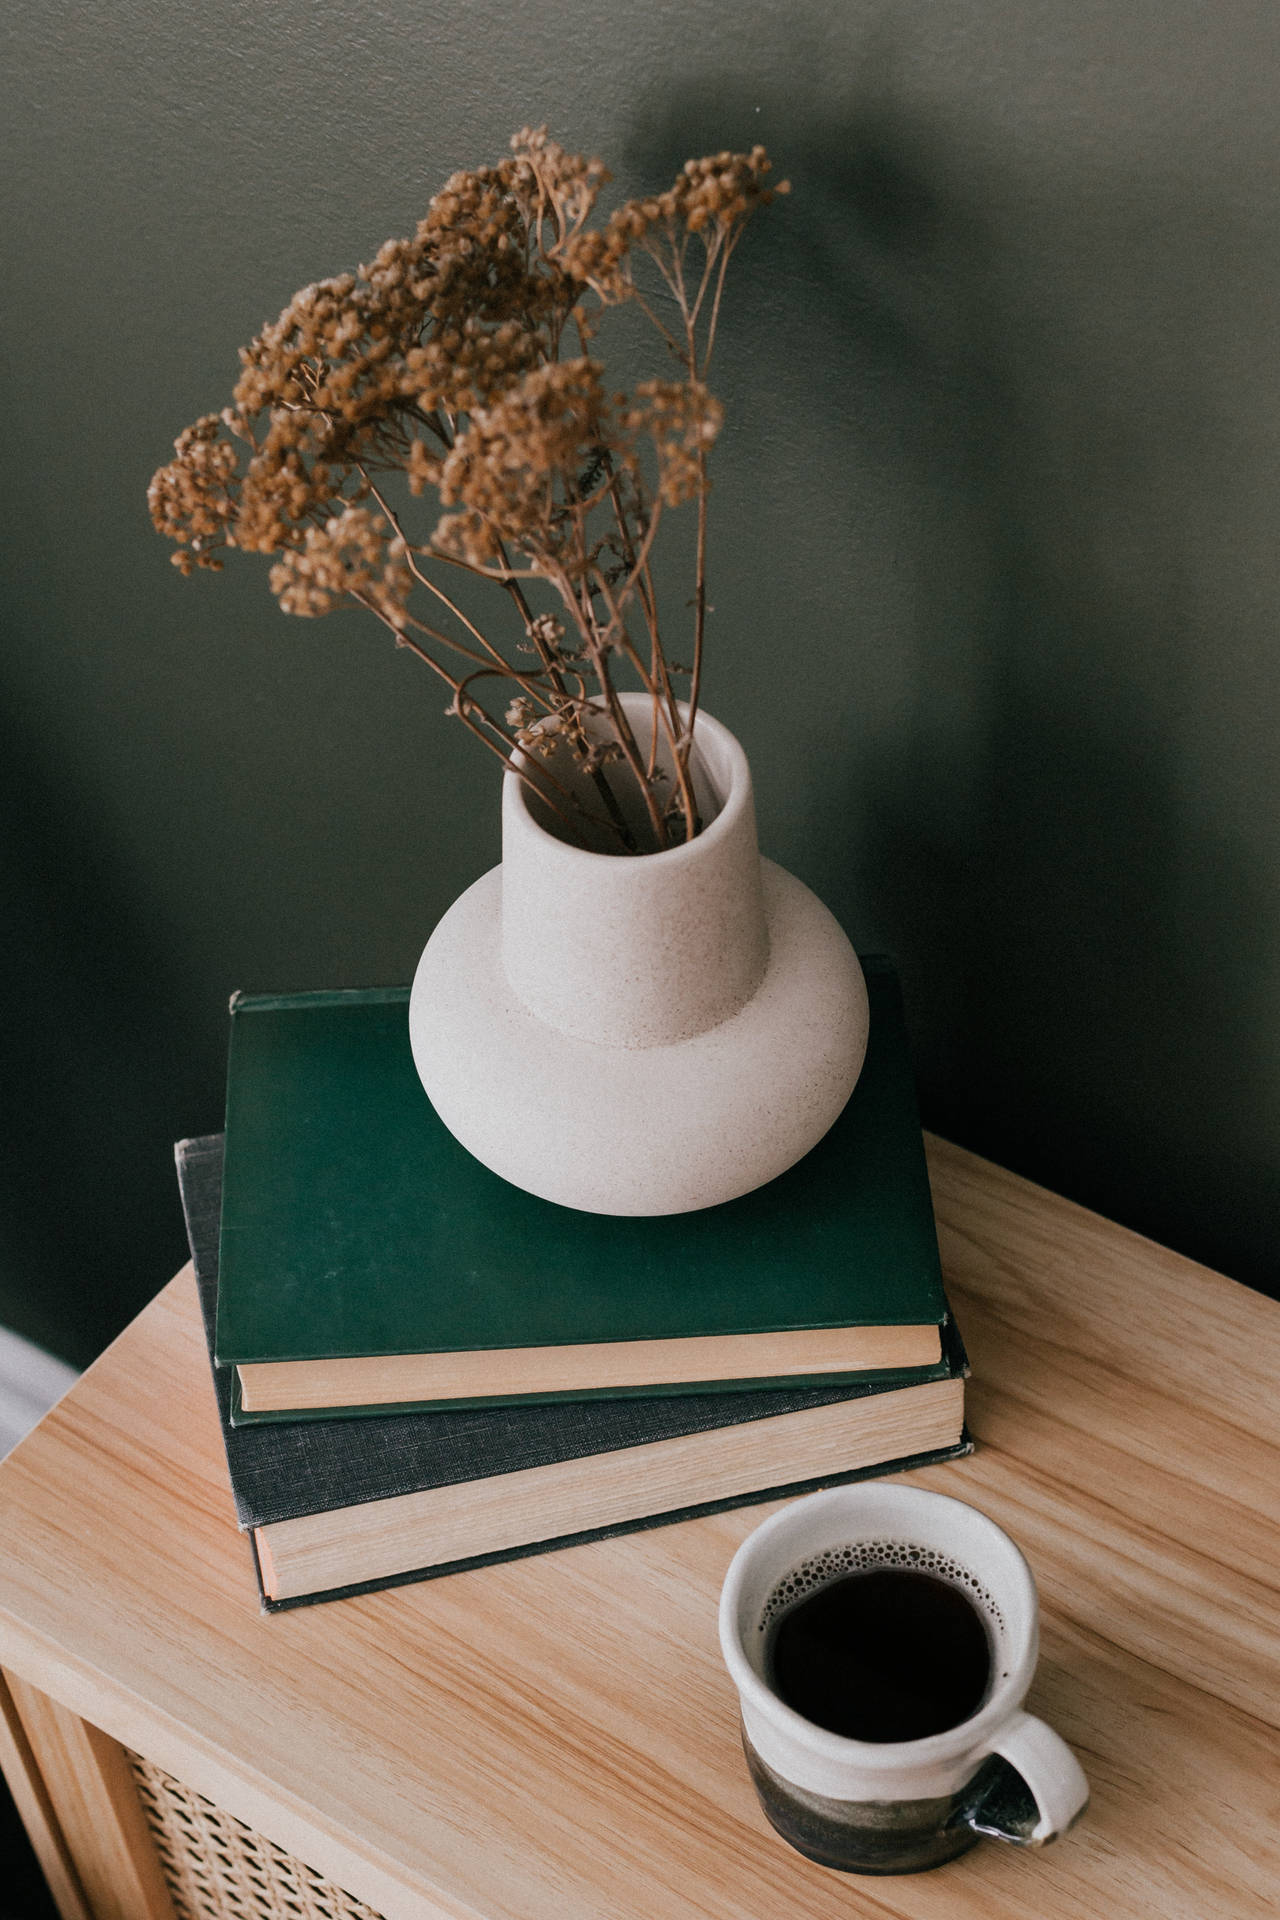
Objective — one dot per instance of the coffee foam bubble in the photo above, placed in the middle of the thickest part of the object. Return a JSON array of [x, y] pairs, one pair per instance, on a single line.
[[866, 1556]]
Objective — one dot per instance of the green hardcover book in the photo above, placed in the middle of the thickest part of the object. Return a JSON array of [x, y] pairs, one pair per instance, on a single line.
[[369, 1263], [335, 1507]]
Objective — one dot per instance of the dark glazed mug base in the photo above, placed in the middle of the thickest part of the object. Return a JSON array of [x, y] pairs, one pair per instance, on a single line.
[[871, 1837]]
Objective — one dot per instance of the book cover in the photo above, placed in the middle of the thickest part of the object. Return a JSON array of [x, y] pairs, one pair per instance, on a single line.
[[282, 1472], [356, 1230]]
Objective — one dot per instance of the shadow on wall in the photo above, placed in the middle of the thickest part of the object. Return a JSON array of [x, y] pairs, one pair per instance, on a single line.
[[96, 1042], [1084, 950]]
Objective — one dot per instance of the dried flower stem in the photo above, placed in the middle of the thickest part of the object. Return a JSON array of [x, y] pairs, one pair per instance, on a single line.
[[444, 365], [476, 720]]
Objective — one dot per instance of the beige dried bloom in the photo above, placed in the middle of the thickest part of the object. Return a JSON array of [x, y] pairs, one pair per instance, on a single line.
[[601, 261], [518, 460], [724, 189], [710, 197], [545, 738], [462, 367], [455, 363], [348, 554], [560, 186], [195, 499], [422, 466], [546, 631], [682, 419]]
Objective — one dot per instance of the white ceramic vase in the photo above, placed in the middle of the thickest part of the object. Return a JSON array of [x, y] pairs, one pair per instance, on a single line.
[[640, 1034]]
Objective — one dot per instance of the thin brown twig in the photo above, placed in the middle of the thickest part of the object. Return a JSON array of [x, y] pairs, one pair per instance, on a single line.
[[713, 250], [577, 732], [726, 255], [662, 723], [617, 713], [467, 710], [527, 682]]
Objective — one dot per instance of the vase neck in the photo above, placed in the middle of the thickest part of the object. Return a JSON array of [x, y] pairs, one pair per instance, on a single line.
[[642, 950]]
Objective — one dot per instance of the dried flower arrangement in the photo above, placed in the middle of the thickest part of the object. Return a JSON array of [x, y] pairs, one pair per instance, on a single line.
[[459, 361]]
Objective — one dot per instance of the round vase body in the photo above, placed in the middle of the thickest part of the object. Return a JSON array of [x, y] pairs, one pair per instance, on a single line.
[[640, 1034]]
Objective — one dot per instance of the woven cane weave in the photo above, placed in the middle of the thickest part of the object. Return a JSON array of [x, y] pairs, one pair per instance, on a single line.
[[219, 1869]]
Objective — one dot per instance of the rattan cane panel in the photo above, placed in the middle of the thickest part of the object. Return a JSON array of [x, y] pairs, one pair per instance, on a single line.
[[219, 1869]]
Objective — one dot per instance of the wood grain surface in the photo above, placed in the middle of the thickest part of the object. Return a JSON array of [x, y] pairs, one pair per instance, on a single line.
[[555, 1738], [30, 1792], [100, 1818]]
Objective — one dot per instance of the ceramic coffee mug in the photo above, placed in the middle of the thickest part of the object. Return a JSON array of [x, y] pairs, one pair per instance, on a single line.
[[900, 1806]]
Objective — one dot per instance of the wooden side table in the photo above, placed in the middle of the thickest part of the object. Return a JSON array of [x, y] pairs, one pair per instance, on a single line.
[[554, 1739]]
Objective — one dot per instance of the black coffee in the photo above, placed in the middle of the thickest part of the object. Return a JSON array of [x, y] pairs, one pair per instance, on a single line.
[[885, 1654]]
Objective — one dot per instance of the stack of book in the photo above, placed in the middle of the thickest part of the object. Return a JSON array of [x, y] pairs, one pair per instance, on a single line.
[[421, 1368]]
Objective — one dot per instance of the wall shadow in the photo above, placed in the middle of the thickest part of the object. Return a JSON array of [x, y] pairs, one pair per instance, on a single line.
[[1083, 949]]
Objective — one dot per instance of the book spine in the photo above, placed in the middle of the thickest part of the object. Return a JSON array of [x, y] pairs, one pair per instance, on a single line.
[[328, 997]]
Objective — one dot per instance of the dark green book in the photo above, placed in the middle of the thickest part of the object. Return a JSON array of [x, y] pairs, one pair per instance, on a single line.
[[334, 1507], [369, 1262]]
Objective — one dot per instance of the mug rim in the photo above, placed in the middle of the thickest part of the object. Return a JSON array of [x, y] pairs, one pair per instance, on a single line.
[[884, 1755]]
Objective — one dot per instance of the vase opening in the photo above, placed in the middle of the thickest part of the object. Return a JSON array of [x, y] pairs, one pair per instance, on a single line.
[[585, 804]]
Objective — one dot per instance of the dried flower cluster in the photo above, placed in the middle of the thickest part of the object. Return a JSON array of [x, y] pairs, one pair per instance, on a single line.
[[459, 362]]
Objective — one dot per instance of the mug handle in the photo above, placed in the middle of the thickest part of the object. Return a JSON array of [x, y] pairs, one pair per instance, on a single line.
[[1029, 1789]]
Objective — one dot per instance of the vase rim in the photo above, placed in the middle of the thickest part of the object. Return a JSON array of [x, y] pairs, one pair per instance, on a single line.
[[730, 780]]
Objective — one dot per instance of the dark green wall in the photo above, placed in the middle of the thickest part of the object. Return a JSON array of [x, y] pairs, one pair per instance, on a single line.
[[995, 565]]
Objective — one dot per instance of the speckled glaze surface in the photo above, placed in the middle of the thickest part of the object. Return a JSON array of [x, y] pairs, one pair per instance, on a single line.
[[640, 1035]]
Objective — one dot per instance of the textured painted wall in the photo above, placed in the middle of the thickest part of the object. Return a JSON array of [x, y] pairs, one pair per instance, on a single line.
[[995, 567]]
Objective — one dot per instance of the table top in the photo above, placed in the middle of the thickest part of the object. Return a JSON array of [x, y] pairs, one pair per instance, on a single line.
[[555, 1738]]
